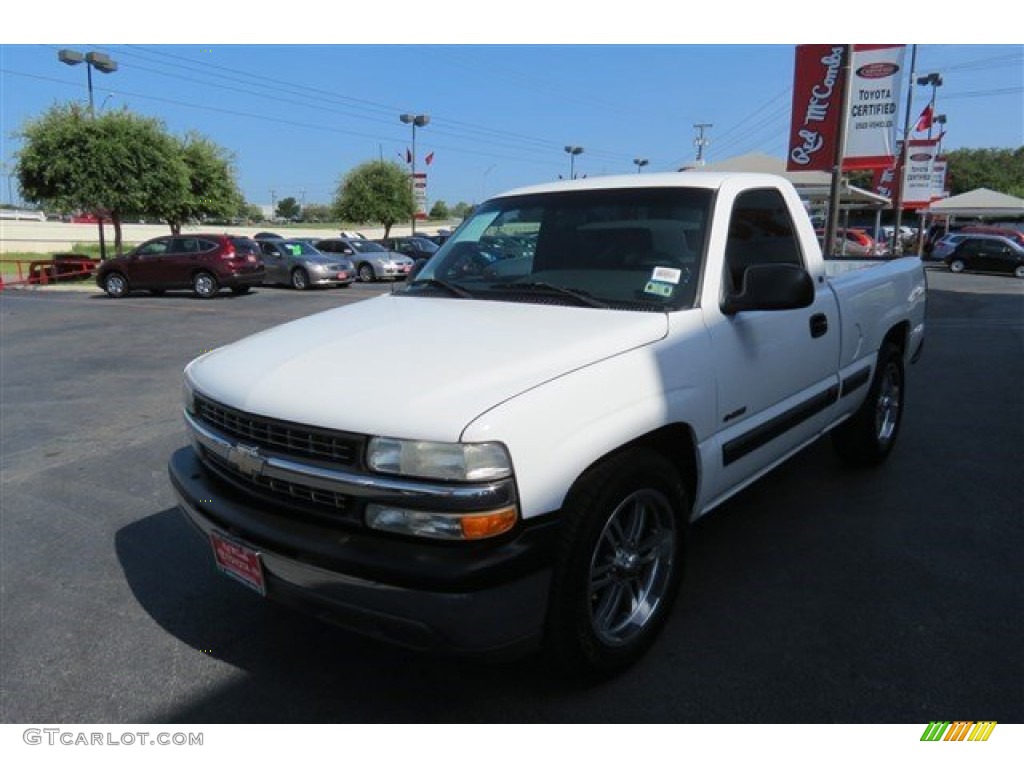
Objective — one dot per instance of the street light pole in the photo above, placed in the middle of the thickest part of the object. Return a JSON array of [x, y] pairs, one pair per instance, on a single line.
[[572, 152], [106, 65], [416, 121], [639, 163]]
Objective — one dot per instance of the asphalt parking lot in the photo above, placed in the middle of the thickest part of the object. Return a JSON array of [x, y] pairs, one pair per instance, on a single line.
[[818, 595]]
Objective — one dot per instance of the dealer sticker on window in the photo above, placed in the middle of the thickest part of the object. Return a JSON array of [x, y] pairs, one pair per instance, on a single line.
[[667, 275], [659, 288]]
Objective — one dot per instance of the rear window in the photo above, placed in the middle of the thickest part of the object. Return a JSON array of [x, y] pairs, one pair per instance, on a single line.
[[245, 245]]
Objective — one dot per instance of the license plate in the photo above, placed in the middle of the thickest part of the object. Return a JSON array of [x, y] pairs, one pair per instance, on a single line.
[[239, 562]]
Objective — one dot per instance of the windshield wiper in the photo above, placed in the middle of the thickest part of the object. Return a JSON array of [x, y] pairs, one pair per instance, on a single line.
[[452, 288], [581, 297]]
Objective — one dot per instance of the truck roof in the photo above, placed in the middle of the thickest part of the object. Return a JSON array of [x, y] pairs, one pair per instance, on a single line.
[[691, 179]]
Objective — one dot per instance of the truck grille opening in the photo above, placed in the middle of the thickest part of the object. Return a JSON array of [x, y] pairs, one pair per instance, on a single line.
[[280, 436]]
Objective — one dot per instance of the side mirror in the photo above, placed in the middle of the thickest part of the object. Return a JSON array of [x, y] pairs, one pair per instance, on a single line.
[[771, 287]]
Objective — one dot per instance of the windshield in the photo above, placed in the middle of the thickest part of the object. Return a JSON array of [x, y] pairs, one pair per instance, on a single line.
[[366, 246], [298, 248], [632, 249]]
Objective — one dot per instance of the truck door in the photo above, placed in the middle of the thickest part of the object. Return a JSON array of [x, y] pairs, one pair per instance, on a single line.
[[776, 370]]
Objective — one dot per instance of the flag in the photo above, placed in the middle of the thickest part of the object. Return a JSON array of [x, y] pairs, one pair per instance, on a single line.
[[924, 122], [408, 156], [429, 158]]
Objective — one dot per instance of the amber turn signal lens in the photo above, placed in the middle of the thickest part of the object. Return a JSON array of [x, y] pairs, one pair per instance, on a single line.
[[488, 524]]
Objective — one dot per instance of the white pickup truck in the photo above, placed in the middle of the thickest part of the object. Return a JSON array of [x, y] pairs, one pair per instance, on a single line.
[[581, 371]]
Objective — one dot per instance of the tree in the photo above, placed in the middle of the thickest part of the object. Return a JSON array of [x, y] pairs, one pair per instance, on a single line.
[[1001, 170], [288, 208], [212, 189], [440, 210], [375, 192], [117, 163], [316, 213], [461, 210]]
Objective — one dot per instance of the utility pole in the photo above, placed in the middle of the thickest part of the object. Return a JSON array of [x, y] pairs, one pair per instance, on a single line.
[[901, 163], [273, 203], [701, 141]]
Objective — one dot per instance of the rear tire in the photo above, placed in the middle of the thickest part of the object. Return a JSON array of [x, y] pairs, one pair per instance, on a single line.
[[867, 437], [205, 285], [957, 266], [620, 562], [1019, 272]]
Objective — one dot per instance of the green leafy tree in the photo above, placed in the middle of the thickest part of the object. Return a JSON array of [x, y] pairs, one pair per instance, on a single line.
[[288, 208], [117, 163], [249, 211], [212, 187], [316, 213], [461, 210], [1001, 170], [375, 192], [439, 210]]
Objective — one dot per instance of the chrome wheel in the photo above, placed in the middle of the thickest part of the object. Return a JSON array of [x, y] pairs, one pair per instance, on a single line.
[[116, 285], [205, 285], [1019, 271], [631, 566], [956, 266], [366, 274], [887, 409], [300, 280]]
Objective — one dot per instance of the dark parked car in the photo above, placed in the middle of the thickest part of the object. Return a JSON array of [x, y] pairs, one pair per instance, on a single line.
[[205, 263], [267, 236], [300, 265], [414, 247], [987, 253]]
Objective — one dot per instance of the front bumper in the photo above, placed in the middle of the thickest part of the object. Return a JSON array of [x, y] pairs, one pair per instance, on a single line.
[[467, 598]]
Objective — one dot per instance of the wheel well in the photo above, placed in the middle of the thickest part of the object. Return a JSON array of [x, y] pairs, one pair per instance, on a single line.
[[676, 442], [898, 336]]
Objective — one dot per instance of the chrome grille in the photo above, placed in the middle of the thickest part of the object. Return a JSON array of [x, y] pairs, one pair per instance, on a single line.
[[280, 436], [328, 505]]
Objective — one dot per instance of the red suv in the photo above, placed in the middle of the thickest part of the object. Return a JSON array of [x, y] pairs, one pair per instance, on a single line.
[[204, 263]]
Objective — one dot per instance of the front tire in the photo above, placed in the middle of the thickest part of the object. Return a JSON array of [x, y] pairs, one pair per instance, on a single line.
[[205, 285], [366, 273], [300, 279], [867, 437], [116, 285], [620, 562], [1019, 272]]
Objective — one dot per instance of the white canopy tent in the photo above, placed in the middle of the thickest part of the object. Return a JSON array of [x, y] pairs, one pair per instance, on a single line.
[[978, 203]]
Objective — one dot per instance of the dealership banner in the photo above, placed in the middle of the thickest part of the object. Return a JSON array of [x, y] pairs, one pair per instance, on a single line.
[[919, 176], [873, 112], [817, 102], [419, 194]]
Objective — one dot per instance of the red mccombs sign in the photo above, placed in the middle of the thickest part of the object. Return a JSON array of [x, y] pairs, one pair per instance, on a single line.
[[817, 100]]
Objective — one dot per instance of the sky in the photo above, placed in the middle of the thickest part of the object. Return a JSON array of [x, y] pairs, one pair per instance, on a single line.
[[298, 114]]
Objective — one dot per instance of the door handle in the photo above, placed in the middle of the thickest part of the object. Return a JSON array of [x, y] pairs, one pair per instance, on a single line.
[[819, 325]]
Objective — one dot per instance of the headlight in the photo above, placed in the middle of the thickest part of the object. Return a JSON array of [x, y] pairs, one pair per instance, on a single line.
[[439, 461], [441, 525]]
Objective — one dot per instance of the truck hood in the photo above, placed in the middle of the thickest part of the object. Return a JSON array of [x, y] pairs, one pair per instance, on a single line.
[[409, 367]]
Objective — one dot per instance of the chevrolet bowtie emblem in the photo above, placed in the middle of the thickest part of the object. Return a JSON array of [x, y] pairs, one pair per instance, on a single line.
[[246, 459]]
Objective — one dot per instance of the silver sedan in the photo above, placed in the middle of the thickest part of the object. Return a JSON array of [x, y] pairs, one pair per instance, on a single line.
[[373, 261], [300, 265]]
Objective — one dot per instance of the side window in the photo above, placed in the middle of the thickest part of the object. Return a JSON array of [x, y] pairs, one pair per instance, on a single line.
[[326, 246], [761, 231], [185, 245], [156, 248]]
